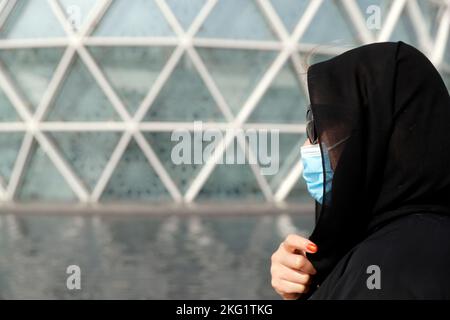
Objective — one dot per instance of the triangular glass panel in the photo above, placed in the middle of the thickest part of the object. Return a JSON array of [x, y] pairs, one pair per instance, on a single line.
[[10, 144], [81, 99], [231, 180], [236, 72], [247, 19], [31, 19], [184, 97], [31, 70], [429, 11], [365, 5], [290, 11], [77, 11], [186, 10], [183, 170], [134, 179], [7, 111], [304, 221], [341, 33], [281, 154], [137, 18], [132, 70], [43, 182], [318, 57], [233, 232], [87, 152], [283, 102]]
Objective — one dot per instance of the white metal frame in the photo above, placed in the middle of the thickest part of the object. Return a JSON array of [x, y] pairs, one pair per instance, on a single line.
[[185, 41]]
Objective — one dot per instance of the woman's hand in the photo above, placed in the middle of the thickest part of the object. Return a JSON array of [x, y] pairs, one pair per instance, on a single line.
[[291, 270]]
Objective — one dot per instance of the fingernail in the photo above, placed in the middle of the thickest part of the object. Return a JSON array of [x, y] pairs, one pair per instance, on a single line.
[[311, 248]]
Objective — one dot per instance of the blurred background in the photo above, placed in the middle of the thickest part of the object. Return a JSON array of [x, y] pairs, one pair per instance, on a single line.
[[90, 94]]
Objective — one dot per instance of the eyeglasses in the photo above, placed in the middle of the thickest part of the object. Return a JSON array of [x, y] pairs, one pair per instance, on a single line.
[[310, 128]]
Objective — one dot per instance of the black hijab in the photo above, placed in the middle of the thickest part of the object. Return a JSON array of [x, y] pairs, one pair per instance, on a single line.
[[388, 110]]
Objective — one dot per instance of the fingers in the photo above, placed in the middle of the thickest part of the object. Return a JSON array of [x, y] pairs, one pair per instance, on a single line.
[[291, 270], [295, 242], [297, 262]]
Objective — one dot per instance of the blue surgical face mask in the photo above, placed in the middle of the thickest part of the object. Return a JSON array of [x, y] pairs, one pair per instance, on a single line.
[[313, 171]]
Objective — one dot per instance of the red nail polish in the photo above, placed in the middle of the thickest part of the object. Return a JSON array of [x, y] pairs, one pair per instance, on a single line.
[[311, 248]]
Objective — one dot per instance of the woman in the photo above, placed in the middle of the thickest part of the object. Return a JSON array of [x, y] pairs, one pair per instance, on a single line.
[[378, 166]]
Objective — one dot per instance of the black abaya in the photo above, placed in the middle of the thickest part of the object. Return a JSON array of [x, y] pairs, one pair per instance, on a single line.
[[382, 115]]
